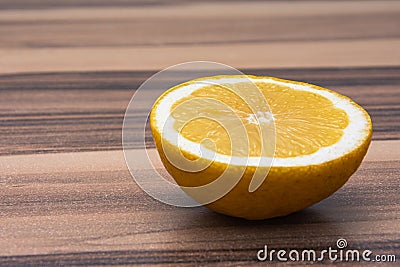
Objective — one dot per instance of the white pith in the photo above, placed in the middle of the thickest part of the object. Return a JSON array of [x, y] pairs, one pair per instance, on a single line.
[[353, 135]]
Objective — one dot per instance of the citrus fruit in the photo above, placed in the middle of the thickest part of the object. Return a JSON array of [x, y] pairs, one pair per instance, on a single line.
[[258, 147]]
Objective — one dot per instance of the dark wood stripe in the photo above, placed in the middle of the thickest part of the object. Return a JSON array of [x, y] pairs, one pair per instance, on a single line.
[[128, 80], [117, 191], [223, 257], [65, 112]]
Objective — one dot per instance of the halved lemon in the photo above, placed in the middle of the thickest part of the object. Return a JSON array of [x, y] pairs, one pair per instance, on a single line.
[[258, 147]]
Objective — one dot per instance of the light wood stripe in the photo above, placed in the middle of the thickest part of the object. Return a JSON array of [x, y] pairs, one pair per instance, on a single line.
[[270, 55], [187, 9], [114, 160]]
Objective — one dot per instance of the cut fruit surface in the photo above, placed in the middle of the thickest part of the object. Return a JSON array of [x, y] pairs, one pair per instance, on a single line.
[[304, 130]]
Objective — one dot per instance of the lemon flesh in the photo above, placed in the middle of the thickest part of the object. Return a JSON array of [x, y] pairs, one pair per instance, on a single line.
[[316, 137]]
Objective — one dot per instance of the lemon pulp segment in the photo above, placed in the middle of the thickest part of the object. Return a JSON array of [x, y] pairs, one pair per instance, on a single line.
[[302, 121]]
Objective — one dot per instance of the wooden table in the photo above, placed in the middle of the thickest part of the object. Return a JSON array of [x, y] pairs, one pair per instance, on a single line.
[[68, 70]]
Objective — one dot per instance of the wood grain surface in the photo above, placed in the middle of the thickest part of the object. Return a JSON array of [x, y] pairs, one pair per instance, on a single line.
[[68, 70]]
